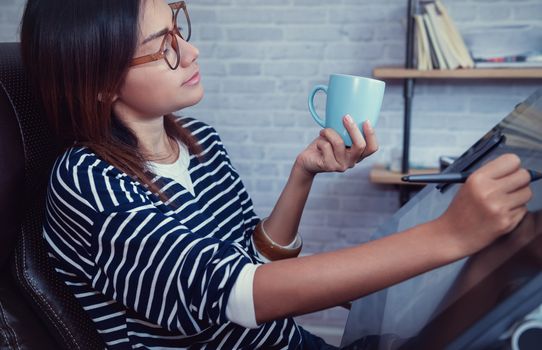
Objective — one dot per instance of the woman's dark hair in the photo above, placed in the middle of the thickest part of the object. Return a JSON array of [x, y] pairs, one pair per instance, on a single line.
[[75, 51]]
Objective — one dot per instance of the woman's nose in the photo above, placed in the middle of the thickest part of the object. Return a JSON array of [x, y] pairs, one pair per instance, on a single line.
[[189, 53]]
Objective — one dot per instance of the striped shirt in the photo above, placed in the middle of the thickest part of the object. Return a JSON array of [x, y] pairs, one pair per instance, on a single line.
[[156, 275]]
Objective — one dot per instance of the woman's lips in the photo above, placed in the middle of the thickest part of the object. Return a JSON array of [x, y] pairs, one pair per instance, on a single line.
[[193, 80]]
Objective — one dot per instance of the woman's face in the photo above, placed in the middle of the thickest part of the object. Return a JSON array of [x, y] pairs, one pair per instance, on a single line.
[[153, 89]]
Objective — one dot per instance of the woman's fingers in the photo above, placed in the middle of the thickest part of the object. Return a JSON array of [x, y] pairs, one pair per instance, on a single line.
[[501, 166], [338, 147], [327, 162], [343, 157], [358, 141], [370, 138], [519, 197], [506, 179], [362, 147], [359, 144], [516, 180]]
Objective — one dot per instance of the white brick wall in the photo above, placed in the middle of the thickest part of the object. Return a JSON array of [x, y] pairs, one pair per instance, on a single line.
[[10, 14], [260, 58]]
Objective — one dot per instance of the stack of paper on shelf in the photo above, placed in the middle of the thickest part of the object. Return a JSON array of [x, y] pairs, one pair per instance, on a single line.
[[439, 44], [505, 46], [530, 59]]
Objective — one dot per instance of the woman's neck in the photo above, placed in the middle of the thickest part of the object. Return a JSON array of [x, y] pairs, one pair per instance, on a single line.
[[153, 141]]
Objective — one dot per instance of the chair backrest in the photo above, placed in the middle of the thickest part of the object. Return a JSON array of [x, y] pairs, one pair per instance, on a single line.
[[37, 310]]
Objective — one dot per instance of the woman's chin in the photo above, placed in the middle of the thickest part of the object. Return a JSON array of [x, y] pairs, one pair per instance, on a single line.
[[195, 95], [190, 97]]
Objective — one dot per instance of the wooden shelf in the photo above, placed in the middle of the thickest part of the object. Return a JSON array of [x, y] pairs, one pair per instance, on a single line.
[[380, 175], [475, 73]]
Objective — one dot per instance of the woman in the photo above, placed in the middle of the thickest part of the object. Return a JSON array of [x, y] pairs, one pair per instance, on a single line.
[[148, 222]]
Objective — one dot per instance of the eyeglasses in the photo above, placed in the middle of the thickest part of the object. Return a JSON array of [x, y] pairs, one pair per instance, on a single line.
[[169, 49]]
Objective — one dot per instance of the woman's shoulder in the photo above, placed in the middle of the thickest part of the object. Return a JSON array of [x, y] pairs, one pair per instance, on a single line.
[[82, 165], [198, 128], [82, 174], [82, 159]]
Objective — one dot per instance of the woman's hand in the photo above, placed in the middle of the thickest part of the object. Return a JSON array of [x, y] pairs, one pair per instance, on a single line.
[[327, 153], [490, 204]]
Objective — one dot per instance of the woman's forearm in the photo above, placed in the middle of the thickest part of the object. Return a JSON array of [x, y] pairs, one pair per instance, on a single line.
[[326, 153], [283, 222], [307, 284], [490, 204]]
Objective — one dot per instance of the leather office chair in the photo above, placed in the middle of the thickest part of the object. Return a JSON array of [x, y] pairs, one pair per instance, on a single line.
[[37, 310]]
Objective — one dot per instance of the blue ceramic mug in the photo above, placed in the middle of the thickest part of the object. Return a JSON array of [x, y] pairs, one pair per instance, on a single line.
[[348, 94]]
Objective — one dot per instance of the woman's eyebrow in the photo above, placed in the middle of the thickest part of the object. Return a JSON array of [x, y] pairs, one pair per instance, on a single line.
[[155, 35]]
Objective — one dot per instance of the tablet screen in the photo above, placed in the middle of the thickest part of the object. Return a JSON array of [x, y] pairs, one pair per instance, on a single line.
[[476, 298]]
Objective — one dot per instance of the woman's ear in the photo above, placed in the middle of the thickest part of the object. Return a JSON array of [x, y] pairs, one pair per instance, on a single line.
[[102, 98]]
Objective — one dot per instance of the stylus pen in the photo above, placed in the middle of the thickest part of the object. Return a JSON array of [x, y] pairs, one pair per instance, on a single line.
[[454, 177]]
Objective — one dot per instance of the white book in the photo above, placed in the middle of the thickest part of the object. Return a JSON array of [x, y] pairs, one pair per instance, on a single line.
[[433, 40], [422, 45], [452, 60], [456, 38]]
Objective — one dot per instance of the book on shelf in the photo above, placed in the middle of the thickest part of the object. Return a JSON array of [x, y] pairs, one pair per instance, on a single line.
[[429, 49], [422, 44], [439, 44], [443, 37], [456, 38], [434, 43]]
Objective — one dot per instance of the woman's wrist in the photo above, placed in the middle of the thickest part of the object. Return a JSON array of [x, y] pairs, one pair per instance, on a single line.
[[300, 174], [454, 243]]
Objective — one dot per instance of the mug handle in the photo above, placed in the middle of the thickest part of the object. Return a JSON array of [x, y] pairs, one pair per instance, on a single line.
[[315, 115]]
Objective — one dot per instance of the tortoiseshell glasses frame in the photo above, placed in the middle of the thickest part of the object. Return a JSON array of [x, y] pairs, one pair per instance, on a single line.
[[169, 48]]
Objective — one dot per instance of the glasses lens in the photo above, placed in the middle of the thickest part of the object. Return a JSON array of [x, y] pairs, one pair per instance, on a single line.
[[170, 51], [183, 23]]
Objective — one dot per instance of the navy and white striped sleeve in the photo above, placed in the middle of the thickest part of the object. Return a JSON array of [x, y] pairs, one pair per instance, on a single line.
[[149, 261]]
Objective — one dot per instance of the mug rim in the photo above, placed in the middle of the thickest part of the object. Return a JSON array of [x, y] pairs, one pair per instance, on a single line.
[[356, 77]]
